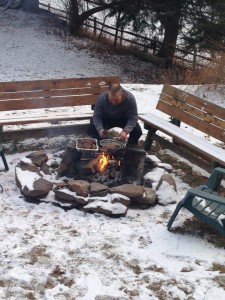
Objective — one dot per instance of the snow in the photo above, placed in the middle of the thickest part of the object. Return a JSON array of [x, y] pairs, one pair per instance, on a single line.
[[115, 208], [98, 255], [27, 178]]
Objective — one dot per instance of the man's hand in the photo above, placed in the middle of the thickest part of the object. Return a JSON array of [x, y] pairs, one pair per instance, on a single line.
[[122, 135], [102, 133]]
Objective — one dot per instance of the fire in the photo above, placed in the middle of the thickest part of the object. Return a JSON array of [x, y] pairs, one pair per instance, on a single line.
[[103, 162]]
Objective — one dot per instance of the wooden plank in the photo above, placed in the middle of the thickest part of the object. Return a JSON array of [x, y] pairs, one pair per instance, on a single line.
[[56, 84], [197, 102], [46, 102], [186, 108], [52, 93], [193, 121], [21, 134], [195, 142], [43, 118]]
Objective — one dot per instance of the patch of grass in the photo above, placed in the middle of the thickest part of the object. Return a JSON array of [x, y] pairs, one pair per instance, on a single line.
[[220, 280], [37, 254], [2, 283], [166, 215], [133, 265], [218, 267], [155, 268], [187, 269], [30, 296], [50, 283], [107, 246], [156, 287], [202, 229], [181, 169], [57, 271]]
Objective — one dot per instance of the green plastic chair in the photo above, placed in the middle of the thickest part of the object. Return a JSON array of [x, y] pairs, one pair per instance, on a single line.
[[205, 203]]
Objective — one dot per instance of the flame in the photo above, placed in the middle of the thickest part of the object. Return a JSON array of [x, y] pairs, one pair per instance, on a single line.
[[103, 162]]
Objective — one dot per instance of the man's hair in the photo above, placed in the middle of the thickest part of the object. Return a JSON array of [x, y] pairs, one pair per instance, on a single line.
[[114, 88]]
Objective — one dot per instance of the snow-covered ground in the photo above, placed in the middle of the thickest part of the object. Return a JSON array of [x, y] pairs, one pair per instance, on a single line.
[[49, 253]]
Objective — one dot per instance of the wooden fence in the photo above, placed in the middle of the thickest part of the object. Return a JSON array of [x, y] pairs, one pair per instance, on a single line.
[[126, 38]]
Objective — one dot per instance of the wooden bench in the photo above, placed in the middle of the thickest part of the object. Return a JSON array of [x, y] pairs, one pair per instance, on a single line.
[[200, 114], [33, 101], [205, 203]]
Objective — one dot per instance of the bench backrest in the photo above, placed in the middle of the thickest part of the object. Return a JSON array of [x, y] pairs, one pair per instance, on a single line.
[[23, 95], [194, 111]]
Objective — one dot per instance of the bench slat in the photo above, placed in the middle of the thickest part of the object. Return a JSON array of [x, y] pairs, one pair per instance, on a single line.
[[56, 84], [191, 110], [42, 118], [195, 142], [195, 101], [47, 102], [51, 93], [193, 121]]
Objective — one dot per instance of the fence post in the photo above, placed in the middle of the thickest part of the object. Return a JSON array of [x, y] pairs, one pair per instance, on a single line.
[[194, 57], [49, 6], [116, 36], [121, 36], [95, 26]]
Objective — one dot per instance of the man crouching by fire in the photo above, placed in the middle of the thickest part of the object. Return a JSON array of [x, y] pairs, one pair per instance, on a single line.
[[116, 107]]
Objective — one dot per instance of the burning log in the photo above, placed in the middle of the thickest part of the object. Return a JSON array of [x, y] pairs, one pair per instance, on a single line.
[[92, 166], [99, 163]]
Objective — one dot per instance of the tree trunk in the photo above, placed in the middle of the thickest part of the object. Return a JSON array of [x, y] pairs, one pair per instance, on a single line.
[[171, 24], [74, 18]]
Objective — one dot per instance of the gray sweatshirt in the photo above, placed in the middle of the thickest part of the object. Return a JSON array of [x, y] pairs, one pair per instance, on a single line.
[[104, 109]]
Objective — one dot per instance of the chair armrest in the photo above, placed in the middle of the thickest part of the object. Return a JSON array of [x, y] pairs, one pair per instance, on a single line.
[[215, 178], [211, 197]]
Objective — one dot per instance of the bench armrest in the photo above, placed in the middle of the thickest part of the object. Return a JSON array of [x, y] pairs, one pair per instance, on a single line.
[[215, 178]]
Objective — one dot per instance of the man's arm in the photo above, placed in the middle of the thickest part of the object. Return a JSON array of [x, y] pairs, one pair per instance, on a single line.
[[98, 113], [132, 114]]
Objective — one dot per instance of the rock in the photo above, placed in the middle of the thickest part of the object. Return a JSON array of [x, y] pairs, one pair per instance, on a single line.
[[81, 187], [108, 208], [28, 167], [153, 177], [61, 184], [38, 157], [167, 167], [169, 179], [129, 190], [54, 164], [149, 197], [134, 163], [117, 198], [65, 195], [45, 169], [30, 182], [67, 166], [41, 188], [166, 194], [98, 189], [152, 160]]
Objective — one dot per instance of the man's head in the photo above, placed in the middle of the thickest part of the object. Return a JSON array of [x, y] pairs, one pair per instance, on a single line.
[[116, 94]]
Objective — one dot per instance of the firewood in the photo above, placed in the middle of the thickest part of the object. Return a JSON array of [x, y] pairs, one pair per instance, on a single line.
[[93, 165]]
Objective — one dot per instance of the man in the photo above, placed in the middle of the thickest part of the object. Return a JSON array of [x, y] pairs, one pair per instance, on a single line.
[[116, 107]]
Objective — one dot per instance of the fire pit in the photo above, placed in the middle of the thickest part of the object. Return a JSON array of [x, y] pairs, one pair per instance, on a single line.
[[112, 163], [92, 178]]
